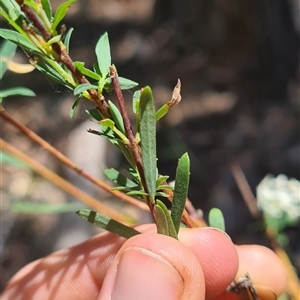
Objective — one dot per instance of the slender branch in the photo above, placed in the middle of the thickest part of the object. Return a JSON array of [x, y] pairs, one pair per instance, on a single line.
[[63, 57], [132, 143], [244, 188], [67, 162], [63, 184], [31, 15]]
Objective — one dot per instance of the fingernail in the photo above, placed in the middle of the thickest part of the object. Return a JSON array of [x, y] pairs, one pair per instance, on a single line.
[[142, 274]]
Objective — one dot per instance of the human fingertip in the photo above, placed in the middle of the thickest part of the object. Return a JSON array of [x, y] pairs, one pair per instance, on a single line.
[[153, 266]]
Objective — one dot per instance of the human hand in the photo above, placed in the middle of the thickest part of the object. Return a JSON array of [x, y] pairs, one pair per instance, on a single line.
[[147, 266]]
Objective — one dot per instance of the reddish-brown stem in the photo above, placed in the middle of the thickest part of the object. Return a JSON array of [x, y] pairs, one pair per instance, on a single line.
[[67, 162], [63, 57], [133, 145], [31, 15]]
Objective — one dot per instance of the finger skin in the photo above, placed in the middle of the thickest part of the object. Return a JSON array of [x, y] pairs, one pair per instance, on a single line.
[[79, 272], [263, 266], [74, 273], [191, 285], [217, 255]]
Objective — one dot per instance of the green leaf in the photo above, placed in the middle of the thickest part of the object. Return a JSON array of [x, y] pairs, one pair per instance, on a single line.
[[32, 4], [18, 39], [180, 189], [118, 178], [116, 115], [103, 54], [107, 223], [80, 66], [55, 39], [45, 208], [165, 187], [160, 180], [47, 8], [22, 91], [136, 101], [74, 107], [68, 38], [83, 87], [12, 9], [107, 123], [7, 51], [52, 73], [137, 193], [164, 222], [161, 194], [161, 112], [94, 113], [60, 13], [148, 139], [127, 84], [127, 154], [216, 219]]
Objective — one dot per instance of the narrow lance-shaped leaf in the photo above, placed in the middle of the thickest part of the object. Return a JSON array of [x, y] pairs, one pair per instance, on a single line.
[[44, 208], [116, 115], [103, 54], [80, 66], [180, 189], [22, 91], [18, 39], [164, 222], [107, 223], [148, 139], [118, 178], [47, 8], [68, 38], [216, 219], [83, 87], [61, 12], [74, 107]]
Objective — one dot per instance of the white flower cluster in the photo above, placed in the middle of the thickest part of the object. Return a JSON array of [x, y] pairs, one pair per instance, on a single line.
[[279, 196]]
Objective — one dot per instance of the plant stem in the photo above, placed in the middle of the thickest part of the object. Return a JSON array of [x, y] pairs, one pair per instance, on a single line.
[[132, 143], [67, 162], [63, 184], [244, 188], [63, 57]]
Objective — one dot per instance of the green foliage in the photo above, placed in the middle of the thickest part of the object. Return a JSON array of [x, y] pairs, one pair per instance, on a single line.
[[44, 208], [49, 50], [216, 219], [148, 139], [60, 14], [107, 223], [180, 190], [164, 221]]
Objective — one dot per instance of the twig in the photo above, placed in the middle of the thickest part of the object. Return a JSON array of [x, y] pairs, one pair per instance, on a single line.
[[67, 162], [63, 184], [63, 57], [244, 188], [132, 143]]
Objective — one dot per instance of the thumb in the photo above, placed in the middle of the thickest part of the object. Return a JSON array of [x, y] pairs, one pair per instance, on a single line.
[[153, 266]]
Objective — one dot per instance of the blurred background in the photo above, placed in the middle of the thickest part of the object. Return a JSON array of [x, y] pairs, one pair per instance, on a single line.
[[238, 62]]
